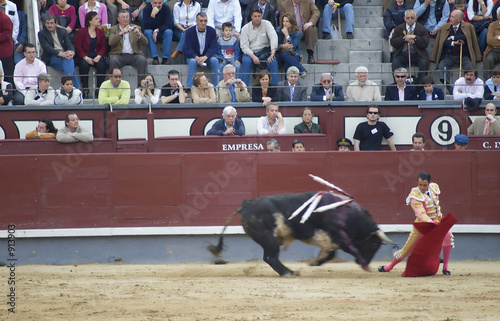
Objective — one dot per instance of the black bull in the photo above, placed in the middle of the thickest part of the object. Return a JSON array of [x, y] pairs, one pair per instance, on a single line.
[[348, 227]]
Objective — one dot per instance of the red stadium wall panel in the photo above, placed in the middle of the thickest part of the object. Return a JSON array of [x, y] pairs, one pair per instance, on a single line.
[[89, 190]]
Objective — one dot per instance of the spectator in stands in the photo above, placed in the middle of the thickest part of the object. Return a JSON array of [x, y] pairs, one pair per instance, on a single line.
[[22, 38], [298, 146], [432, 14], [229, 124], [400, 90], [10, 9], [202, 91], [263, 91], [6, 46], [268, 12], [91, 47], [73, 132], [452, 5], [344, 144], [44, 130], [273, 145], [185, 12], [200, 49], [461, 142], [6, 91], [492, 85], [26, 73], [418, 141], [228, 48], [41, 94], [291, 89], [58, 49], [289, 36], [479, 14], [273, 123], [93, 6], [65, 17], [369, 134], [259, 43], [307, 14], [429, 92], [231, 89], [450, 38], [147, 93], [307, 126], [68, 95], [363, 89], [468, 86], [487, 125], [115, 90], [125, 43], [491, 56], [332, 8], [158, 25], [220, 11], [173, 92], [133, 7], [327, 90], [394, 16], [410, 41]]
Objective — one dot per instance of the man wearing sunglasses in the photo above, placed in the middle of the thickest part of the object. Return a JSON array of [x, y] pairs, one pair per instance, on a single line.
[[369, 134], [115, 90], [400, 90]]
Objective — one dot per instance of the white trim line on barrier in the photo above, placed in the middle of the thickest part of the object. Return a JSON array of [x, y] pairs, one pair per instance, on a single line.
[[205, 230]]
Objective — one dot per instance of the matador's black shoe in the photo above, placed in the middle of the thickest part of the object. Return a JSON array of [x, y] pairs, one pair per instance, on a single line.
[[446, 272], [382, 269]]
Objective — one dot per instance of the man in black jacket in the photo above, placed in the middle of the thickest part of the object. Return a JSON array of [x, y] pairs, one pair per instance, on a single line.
[[58, 53], [268, 12]]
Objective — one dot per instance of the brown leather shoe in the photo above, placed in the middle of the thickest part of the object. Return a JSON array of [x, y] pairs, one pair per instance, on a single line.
[[155, 61], [311, 60], [165, 61], [175, 54]]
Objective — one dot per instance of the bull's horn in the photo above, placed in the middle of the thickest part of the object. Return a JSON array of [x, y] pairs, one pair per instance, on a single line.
[[384, 237]]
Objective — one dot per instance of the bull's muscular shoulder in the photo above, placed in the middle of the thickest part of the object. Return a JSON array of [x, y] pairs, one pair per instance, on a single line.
[[435, 188]]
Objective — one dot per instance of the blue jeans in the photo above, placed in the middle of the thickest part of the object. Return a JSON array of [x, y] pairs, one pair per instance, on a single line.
[[346, 12], [66, 66], [166, 39], [213, 63], [246, 69], [225, 62], [290, 60], [179, 36]]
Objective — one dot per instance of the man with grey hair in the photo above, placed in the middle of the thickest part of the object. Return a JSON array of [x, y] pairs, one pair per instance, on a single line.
[[327, 90], [272, 123], [363, 89], [291, 89], [273, 145], [229, 124], [400, 90], [410, 41], [230, 89]]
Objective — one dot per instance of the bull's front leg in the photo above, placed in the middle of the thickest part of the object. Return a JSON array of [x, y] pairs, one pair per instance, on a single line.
[[271, 258], [328, 255]]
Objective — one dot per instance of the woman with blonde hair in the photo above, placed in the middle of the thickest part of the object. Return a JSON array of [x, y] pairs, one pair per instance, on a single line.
[[202, 91]]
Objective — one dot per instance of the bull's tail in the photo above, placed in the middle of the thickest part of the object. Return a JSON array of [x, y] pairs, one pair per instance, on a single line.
[[216, 250]]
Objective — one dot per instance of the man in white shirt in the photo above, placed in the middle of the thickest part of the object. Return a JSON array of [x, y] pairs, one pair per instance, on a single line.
[[363, 89], [258, 42], [220, 11], [26, 73], [468, 86], [273, 123]]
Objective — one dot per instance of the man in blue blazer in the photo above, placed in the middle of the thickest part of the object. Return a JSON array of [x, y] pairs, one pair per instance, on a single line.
[[400, 90], [327, 90], [61, 60], [197, 37], [291, 89], [229, 124]]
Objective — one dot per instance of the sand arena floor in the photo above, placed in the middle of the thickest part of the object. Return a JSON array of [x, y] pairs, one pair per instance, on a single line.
[[250, 291]]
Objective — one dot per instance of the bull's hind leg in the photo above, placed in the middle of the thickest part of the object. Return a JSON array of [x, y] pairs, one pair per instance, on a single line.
[[271, 248]]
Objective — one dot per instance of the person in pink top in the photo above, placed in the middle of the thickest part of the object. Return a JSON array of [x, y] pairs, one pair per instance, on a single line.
[[66, 16], [96, 6]]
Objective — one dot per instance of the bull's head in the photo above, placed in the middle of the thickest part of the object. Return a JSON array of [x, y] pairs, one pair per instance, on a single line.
[[369, 246]]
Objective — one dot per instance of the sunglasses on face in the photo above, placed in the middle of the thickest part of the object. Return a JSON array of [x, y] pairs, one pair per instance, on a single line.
[[373, 112]]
